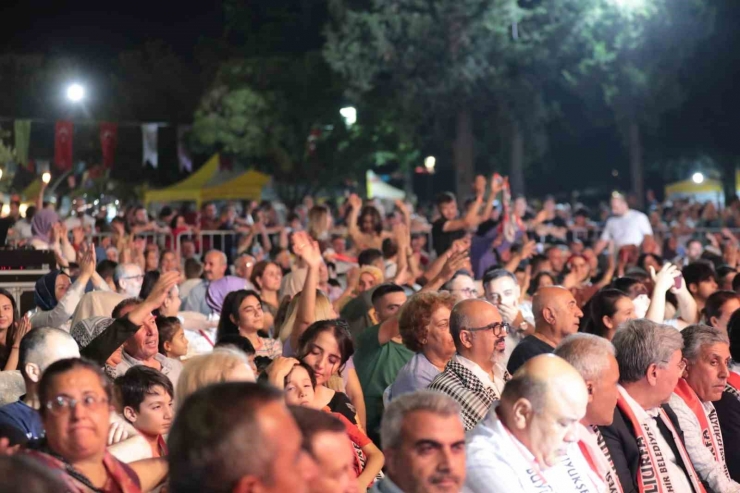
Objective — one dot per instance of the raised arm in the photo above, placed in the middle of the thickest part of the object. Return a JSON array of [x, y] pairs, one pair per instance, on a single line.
[[355, 204], [309, 251]]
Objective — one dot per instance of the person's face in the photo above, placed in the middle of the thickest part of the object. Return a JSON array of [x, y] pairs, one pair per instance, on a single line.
[[667, 375], [251, 318], [81, 432], [625, 311], [603, 395], [367, 223], [367, 281], [155, 413], [140, 217], [545, 282], [339, 245], [169, 262], [324, 357], [335, 458], [178, 346], [431, 457], [61, 285], [707, 375], [619, 206], [298, 388], [557, 259], [188, 249], [112, 254], [283, 260], [6, 312], [388, 305], [209, 211], [151, 260], [448, 210], [244, 267], [566, 313], [131, 281], [287, 456], [214, 267], [706, 288], [580, 266], [725, 313], [438, 337], [323, 273], [144, 344], [503, 291], [694, 250], [556, 425], [520, 206], [651, 262], [549, 205], [271, 278], [463, 288]]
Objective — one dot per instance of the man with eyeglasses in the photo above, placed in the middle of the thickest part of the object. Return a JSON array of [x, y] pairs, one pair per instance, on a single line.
[[128, 279], [474, 377]]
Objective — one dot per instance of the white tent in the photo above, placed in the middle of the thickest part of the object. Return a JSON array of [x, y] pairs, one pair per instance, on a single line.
[[378, 189]]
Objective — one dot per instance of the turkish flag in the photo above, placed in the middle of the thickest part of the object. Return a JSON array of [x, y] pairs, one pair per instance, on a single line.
[[63, 134], [108, 142]]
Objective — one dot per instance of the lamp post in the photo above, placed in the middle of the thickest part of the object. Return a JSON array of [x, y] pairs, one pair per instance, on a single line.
[[75, 93], [697, 178]]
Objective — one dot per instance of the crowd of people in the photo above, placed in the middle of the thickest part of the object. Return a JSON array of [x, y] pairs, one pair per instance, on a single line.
[[483, 347]]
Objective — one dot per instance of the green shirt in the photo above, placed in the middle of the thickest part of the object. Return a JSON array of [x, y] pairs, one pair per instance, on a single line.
[[377, 367]]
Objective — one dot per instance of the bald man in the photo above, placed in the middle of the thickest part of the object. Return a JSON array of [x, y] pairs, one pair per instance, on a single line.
[[214, 268], [473, 377], [520, 446], [556, 316]]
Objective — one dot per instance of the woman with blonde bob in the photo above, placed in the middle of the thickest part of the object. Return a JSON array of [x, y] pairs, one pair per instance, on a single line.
[[222, 365]]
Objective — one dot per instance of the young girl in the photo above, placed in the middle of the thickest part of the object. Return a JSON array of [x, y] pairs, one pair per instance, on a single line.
[[242, 315], [300, 386], [172, 340]]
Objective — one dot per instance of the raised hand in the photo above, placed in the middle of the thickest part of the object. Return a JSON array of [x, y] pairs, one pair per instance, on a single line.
[[162, 288], [664, 279], [355, 202], [306, 248]]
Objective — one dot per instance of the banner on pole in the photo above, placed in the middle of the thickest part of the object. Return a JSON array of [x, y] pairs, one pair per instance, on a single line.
[[149, 144], [108, 142], [63, 133]]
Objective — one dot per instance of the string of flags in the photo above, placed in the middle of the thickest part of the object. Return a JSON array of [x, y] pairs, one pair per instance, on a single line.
[[108, 135]]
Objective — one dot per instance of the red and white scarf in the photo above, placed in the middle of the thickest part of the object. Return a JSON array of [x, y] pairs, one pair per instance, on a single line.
[[653, 474], [711, 434], [603, 465], [733, 384]]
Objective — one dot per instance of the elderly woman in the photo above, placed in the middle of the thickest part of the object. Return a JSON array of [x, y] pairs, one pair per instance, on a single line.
[[706, 352], [75, 410], [424, 324], [57, 297], [650, 365]]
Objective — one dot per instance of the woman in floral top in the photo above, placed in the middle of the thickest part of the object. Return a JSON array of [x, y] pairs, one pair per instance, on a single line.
[[242, 315]]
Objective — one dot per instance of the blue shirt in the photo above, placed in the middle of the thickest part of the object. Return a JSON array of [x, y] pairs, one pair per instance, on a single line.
[[23, 417], [415, 375]]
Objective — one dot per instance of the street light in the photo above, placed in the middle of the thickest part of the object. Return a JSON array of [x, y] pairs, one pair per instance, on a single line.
[[697, 178], [429, 163], [46, 177], [349, 114], [75, 93]]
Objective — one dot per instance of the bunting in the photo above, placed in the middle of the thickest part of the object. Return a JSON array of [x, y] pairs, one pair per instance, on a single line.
[[22, 132], [149, 144], [63, 133], [183, 155], [108, 142]]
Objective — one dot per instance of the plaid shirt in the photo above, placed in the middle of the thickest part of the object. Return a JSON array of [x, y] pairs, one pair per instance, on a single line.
[[475, 398]]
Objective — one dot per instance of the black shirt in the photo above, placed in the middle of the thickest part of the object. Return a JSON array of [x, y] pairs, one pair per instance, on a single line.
[[728, 412], [528, 348], [441, 240]]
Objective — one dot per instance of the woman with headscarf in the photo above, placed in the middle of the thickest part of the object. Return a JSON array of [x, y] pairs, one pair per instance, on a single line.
[[56, 296], [50, 234]]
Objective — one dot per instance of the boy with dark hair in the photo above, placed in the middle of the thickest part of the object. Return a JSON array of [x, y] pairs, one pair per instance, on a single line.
[[145, 398]]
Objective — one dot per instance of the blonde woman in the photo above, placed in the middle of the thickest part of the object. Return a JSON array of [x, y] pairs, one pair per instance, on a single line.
[[222, 365]]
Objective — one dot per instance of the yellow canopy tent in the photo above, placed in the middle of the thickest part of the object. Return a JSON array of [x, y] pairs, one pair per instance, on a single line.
[[688, 187], [188, 189], [247, 186]]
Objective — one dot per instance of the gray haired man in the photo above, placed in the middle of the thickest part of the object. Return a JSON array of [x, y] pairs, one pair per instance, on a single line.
[[424, 445]]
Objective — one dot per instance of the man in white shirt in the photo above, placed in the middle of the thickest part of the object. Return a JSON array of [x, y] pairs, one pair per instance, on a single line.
[[79, 219], [625, 227], [424, 445], [707, 352], [519, 446]]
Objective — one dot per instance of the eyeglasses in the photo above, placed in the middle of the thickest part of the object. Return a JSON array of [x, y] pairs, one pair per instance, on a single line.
[[499, 328], [140, 276], [468, 291], [62, 404]]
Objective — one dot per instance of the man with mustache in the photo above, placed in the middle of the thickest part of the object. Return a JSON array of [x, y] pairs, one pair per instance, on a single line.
[[556, 316], [424, 445], [472, 377], [706, 351], [520, 446]]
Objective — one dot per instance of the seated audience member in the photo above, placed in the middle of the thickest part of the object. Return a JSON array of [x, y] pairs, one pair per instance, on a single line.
[[214, 268], [701, 281], [300, 385], [241, 343], [644, 440], [502, 290], [172, 341], [519, 445], [719, 308], [38, 350], [242, 418], [146, 401], [193, 269], [325, 440], [10, 337], [224, 364], [728, 407], [593, 357], [706, 352], [725, 276], [267, 277], [556, 315], [424, 444], [48, 235], [80, 457], [218, 290], [424, 325], [243, 267], [606, 311], [473, 377], [142, 348], [106, 269], [128, 279], [462, 286], [243, 315]]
